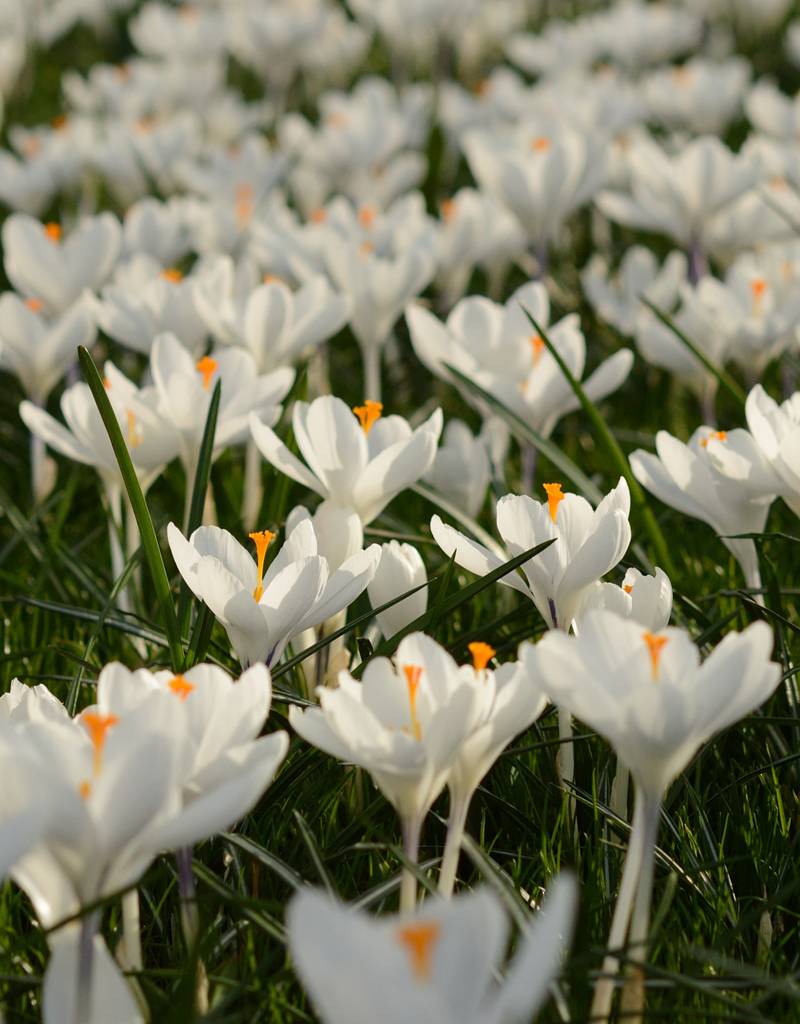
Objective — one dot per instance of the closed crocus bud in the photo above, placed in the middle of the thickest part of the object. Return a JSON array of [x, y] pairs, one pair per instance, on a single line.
[[461, 468], [400, 569]]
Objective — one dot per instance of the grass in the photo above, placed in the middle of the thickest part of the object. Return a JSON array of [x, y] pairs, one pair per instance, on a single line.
[[728, 871]]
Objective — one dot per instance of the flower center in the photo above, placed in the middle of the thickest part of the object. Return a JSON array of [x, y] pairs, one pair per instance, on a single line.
[[655, 646], [207, 367], [172, 274], [481, 653], [715, 435], [262, 540], [554, 498], [97, 726], [419, 941], [180, 687], [53, 232], [368, 414], [412, 674]]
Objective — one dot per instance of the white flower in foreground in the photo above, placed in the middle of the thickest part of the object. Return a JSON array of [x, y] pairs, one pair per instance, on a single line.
[[588, 544], [498, 347], [644, 599], [405, 724], [684, 476], [37, 350], [45, 264], [399, 570], [357, 459], [185, 385], [438, 966], [461, 469], [648, 694], [775, 429], [262, 611], [275, 324]]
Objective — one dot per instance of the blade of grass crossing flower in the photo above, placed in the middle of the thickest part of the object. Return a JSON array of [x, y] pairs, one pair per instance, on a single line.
[[612, 446], [152, 551], [724, 379]]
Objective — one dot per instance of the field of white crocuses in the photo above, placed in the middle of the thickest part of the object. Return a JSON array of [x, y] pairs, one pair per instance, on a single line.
[[399, 496]]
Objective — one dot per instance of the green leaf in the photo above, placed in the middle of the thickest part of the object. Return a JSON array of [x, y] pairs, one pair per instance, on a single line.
[[152, 551]]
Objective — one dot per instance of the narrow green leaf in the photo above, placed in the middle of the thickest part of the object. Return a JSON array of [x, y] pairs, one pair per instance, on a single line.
[[152, 551]]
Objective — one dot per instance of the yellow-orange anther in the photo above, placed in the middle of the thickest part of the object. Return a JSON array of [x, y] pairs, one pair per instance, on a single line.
[[318, 216], [337, 119], [245, 203], [778, 183], [758, 287], [34, 305], [449, 209], [207, 367], [181, 687], [419, 940], [554, 499], [173, 275], [655, 645], [412, 674], [715, 435], [59, 122], [366, 216], [682, 75], [272, 279], [107, 383], [97, 726], [537, 347], [366, 248], [53, 231], [481, 653], [85, 789], [145, 125], [481, 88], [368, 414], [134, 433], [262, 540], [541, 144], [627, 587]]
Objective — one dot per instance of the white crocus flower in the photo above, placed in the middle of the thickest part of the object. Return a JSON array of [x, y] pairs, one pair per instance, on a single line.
[[700, 96], [156, 229], [461, 469], [357, 459], [405, 724], [650, 696], [644, 599], [44, 264], [498, 347], [399, 570], [438, 966], [275, 324], [684, 476], [262, 611]]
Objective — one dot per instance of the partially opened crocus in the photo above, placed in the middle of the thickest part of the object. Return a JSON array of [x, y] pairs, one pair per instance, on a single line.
[[651, 697], [437, 966], [262, 608], [400, 569], [405, 724]]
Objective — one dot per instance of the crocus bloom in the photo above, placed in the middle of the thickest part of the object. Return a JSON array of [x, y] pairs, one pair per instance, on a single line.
[[358, 459], [437, 966], [263, 610], [399, 570], [650, 696], [461, 468], [775, 433], [645, 599], [405, 724]]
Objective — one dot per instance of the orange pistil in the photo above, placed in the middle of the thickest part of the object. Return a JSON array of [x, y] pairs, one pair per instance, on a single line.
[[97, 726], [412, 674], [537, 346], [207, 367], [481, 653], [173, 275], [419, 940], [449, 208], [34, 305], [541, 144], [366, 216], [554, 499], [758, 287], [715, 435], [53, 232], [181, 687], [262, 540], [85, 789], [245, 203], [655, 645], [368, 414]]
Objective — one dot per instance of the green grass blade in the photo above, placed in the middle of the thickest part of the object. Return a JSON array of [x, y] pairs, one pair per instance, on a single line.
[[150, 546]]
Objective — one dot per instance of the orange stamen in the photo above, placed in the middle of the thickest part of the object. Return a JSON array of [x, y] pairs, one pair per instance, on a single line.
[[627, 587], [541, 144], [368, 414], [449, 209], [53, 232], [85, 789], [412, 674], [173, 275], [366, 216], [481, 653], [34, 305], [337, 119], [272, 279], [262, 540], [181, 687], [245, 203], [134, 433], [554, 499], [655, 645], [758, 286], [366, 248], [318, 216], [419, 941], [97, 726], [537, 344], [59, 123], [207, 367], [715, 435]]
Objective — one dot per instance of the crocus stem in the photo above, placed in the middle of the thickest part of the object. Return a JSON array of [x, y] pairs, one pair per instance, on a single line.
[[38, 468], [566, 754], [117, 556], [633, 995], [253, 486], [83, 999], [372, 372], [412, 827], [619, 791], [753, 580], [529, 454], [604, 988], [131, 931], [698, 264], [459, 805], [189, 920]]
